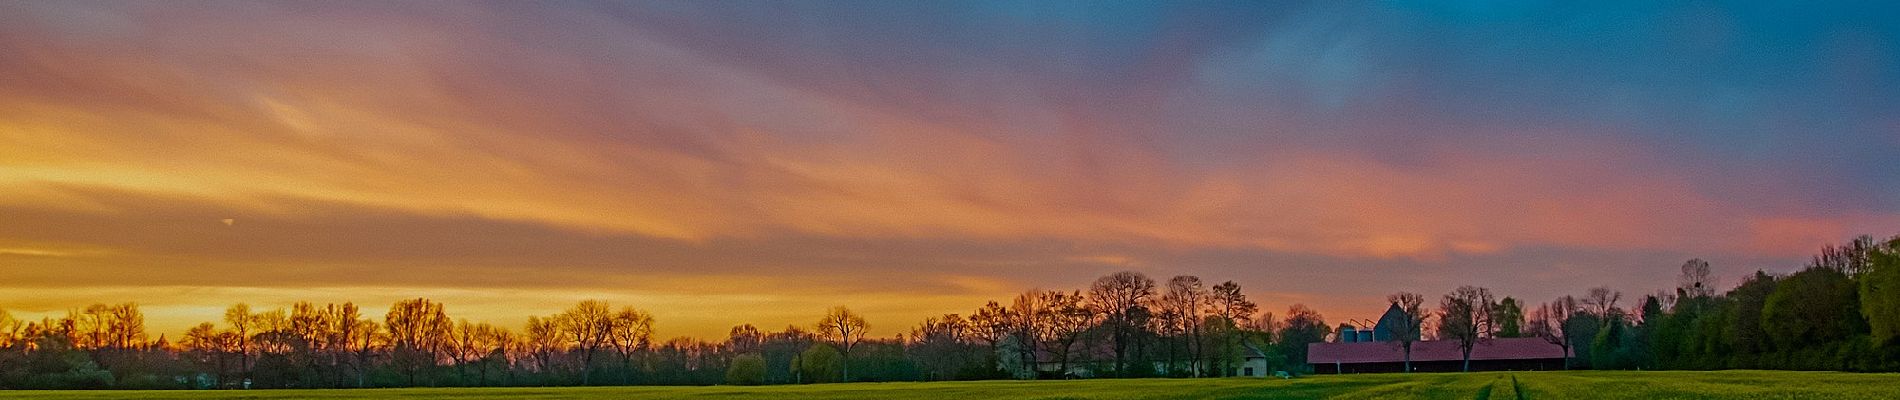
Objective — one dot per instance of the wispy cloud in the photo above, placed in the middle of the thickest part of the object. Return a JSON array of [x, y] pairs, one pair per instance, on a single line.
[[916, 158]]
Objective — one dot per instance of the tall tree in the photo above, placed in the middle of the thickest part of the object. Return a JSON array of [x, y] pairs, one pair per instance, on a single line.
[[497, 343], [1744, 332], [206, 340], [1234, 311], [1301, 327], [240, 320], [1508, 319], [991, 325], [1187, 300], [1812, 307], [467, 345], [419, 332], [543, 338], [126, 330], [90, 325], [1028, 324], [1606, 331], [1114, 296], [844, 329], [589, 327], [744, 338], [1599, 301], [1551, 321], [631, 332], [1462, 316], [1066, 318], [353, 338], [1852, 258], [1406, 329], [1880, 292], [1696, 279], [939, 345]]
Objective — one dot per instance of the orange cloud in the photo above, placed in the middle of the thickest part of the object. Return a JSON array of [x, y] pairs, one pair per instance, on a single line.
[[513, 173]]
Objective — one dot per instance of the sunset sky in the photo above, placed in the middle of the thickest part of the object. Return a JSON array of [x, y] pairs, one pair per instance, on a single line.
[[719, 163]]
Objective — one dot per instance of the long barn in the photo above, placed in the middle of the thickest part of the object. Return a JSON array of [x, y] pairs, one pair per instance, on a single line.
[[1498, 354]]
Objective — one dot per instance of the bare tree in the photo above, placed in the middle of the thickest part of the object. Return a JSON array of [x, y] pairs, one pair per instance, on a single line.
[[1600, 300], [1462, 316], [1852, 258], [1696, 280], [1028, 326], [348, 340], [465, 345], [588, 326], [845, 329], [939, 345], [90, 325], [1551, 321], [744, 338], [496, 343], [631, 331], [126, 327], [356, 336], [991, 324], [419, 333], [543, 337], [1166, 323], [1066, 319], [1114, 296], [1411, 322], [1186, 299], [206, 340], [241, 321], [310, 334]]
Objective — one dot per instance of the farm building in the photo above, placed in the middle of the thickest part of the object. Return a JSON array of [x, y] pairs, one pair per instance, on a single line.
[[1254, 362], [1496, 354], [1363, 348]]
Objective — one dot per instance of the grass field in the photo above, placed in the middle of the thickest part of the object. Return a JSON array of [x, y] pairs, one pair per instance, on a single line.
[[1754, 385]]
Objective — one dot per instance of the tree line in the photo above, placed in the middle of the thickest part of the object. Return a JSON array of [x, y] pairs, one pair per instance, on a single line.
[[1842, 312]]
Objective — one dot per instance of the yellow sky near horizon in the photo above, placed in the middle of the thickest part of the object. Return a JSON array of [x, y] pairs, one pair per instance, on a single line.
[[510, 169]]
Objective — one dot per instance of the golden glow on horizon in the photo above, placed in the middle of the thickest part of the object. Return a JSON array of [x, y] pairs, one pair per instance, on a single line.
[[707, 193]]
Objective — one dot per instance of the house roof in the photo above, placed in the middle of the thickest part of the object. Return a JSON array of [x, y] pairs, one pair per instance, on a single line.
[[1252, 351], [1432, 350]]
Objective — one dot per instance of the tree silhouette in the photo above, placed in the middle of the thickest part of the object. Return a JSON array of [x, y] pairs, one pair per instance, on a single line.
[[240, 320], [1066, 318], [1302, 326], [632, 331], [1822, 317], [1462, 316], [1234, 310], [419, 332], [844, 329], [1552, 322], [1186, 300], [991, 325], [1695, 281], [1114, 296], [1880, 293], [588, 326], [1411, 322]]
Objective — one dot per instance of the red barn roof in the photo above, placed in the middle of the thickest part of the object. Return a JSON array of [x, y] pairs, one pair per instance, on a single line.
[[1433, 350]]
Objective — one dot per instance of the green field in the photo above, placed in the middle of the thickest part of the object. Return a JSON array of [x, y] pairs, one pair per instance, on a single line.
[[1495, 385]]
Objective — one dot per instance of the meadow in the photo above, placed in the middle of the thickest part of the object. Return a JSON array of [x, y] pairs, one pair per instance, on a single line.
[[1485, 385]]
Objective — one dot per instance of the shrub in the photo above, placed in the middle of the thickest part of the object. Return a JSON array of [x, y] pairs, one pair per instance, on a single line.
[[747, 369]]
